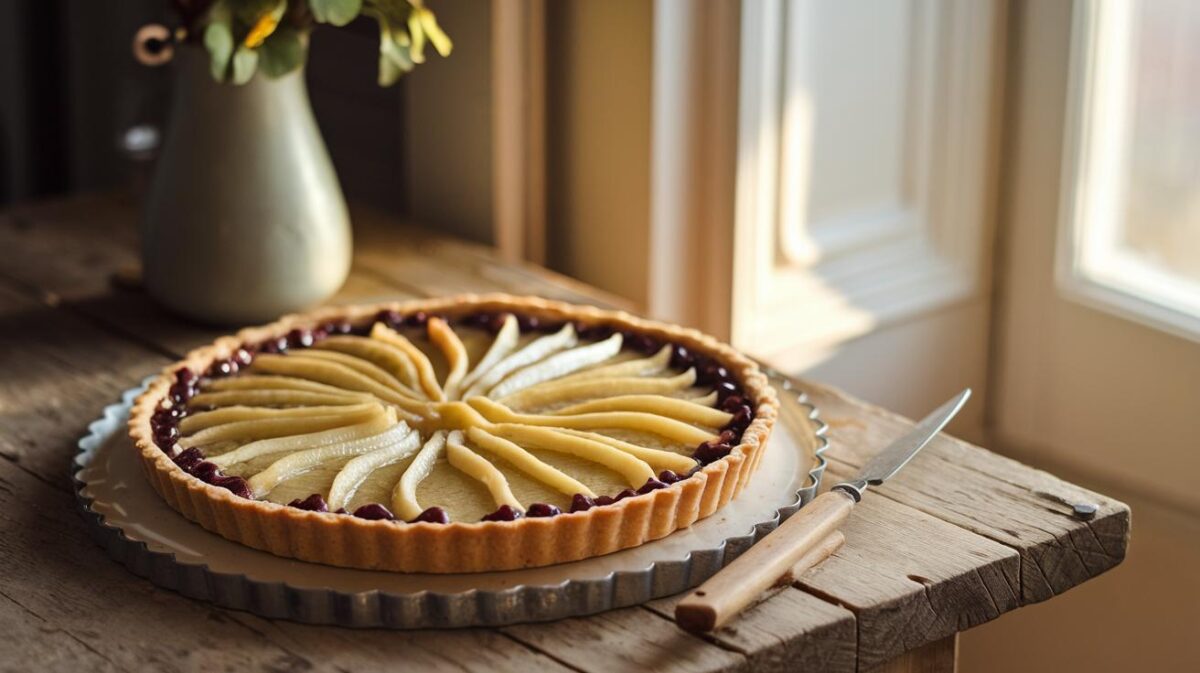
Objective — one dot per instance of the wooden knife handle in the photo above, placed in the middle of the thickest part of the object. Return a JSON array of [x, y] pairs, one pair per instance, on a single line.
[[810, 535]]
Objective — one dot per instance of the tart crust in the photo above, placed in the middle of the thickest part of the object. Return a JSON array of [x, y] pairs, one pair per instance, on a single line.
[[458, 547]]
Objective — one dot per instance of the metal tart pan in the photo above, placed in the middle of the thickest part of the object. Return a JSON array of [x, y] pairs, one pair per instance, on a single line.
[[144, 534]]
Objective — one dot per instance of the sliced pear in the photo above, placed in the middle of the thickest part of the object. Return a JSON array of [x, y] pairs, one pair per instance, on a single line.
[[528, 463], [617, 420], [658, 458], [255, 382], [355, 472], [562, 390], [635, 470], [670, 407], [534, 351], [505, 342], [362, 366], [425, 376], [275, 398], [455, 352], [388, 357], [246, 430], [344, 433], [558, 365], [299, 462], [207, 419], [404, 496], [476, 466], [334, 374], [654, 364]]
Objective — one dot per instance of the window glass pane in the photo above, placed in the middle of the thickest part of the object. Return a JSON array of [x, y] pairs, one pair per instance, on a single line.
[[1161, 223]]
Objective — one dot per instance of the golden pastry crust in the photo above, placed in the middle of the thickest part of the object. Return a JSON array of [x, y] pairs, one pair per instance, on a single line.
[[458, 547]]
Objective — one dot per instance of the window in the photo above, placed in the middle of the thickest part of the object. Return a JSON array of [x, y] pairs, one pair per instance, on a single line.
[[1132, 174]]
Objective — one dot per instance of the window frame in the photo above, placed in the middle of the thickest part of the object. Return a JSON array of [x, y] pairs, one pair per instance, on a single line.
[[1091, 268]]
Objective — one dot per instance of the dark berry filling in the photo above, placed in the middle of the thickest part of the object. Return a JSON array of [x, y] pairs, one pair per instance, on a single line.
[[188, 460], [274, 345], [593, 332], [433, 515], [503, 513], [337, 327], [313, 503], [541, 509], [205, 471], [226, 367], [651, 484], [709, 452], [681, 357], [374, 512], [165, 436], [236, 485], [243, 357], [581, 503]]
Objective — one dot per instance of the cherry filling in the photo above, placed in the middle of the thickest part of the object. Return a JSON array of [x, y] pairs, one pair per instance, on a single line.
[[374, 512], [651, 484], [432, 515], [541, 509], [313, 503], [189, 459], [236, 485], [582, 503], [503, 513]]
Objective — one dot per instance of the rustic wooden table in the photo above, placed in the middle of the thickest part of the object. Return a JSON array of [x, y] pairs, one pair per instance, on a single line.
[[958, 538]]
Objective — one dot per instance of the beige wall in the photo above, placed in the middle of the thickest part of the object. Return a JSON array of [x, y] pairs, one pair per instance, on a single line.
[[1095, 399], [598, 113]]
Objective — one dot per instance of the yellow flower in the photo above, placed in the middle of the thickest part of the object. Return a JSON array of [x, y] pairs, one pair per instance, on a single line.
[[262, 29]]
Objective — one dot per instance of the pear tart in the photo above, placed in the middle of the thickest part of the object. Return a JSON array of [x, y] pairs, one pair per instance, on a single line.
[[466, 434]]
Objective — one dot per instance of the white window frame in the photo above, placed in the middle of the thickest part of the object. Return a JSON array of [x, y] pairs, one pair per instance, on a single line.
[[1090, 267], [854, 275]]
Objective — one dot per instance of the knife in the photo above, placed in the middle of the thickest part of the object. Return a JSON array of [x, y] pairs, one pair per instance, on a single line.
[[808, 537]]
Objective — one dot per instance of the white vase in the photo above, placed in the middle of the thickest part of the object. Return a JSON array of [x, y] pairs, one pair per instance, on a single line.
[[245, 219]]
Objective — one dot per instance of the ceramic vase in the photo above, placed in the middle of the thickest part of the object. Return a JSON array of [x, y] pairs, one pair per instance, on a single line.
[[244, 220]]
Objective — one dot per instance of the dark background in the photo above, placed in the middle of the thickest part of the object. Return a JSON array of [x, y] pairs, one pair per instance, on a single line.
[[70, 90]]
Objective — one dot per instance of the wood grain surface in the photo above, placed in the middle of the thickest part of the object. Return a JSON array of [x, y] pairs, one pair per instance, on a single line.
[[958, 538]]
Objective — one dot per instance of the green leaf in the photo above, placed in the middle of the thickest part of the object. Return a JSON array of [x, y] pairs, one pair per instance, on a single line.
[[249, 11], [282, 53], [218, 40], [336, 12], [394, 60], [245, 60]]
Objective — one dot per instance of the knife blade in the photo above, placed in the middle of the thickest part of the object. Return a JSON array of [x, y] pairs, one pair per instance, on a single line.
[[808, 537], [896, 455]]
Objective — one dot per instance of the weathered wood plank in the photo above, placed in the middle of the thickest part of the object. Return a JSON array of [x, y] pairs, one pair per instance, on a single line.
[[27, 637], [989, 495], [433, 265], [788, 631], [62, 247], [632, 639], [361, 650], [911, 578], [58, 373], [55, 571]]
